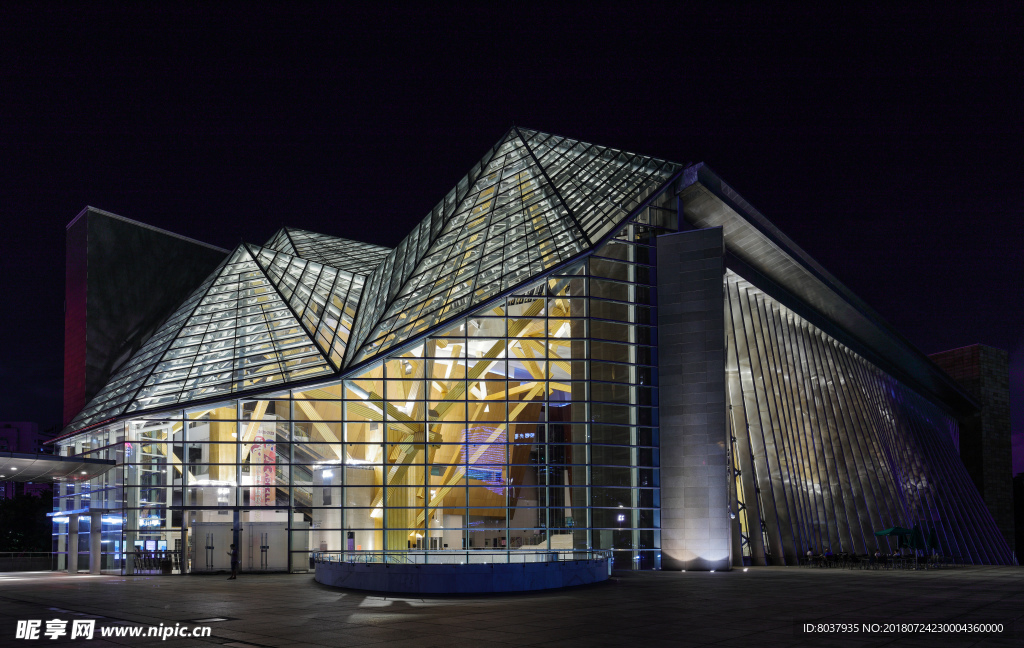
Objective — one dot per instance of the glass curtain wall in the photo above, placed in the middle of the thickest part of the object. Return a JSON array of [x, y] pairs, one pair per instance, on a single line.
[[103, 494], [526, 426]]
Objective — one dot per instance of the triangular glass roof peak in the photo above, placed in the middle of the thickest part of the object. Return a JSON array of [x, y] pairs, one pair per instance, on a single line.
[[533, 202], [281, 242], [117, 394], [234, 333]]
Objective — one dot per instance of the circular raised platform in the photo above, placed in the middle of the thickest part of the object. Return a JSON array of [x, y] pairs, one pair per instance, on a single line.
[[447, 572]]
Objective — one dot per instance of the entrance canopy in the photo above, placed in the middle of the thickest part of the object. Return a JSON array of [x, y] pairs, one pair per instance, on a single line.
[[20, 467]]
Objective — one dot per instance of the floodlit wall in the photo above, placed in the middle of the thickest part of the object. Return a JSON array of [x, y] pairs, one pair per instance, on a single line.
[[696, 529]]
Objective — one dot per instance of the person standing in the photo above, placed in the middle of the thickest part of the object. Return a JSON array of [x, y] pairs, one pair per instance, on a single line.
[[233, 552]]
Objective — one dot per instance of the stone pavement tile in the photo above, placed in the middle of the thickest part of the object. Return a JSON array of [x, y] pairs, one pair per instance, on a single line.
[[514, 629], [341, 639], [455, 621], [651, 608], [234, 635], [368, 633], [625, 641], [486, 635], [278, 642], [446, 642], [770, 642], [414, 627], [377, 618], [556, 621]]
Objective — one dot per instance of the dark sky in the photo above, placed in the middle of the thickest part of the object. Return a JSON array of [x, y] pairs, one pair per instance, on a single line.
[[886, 142]]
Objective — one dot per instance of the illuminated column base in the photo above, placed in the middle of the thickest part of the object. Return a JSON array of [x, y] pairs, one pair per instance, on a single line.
[[73, 543], [95, 542]]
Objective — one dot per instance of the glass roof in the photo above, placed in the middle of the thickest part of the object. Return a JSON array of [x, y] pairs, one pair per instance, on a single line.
[[394, 272], [599, 185], [308, 304], [241, 335], [344, 254], [281, 242], [536, 201]]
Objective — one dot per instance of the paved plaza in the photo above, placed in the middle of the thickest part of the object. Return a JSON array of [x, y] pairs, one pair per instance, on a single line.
[[762, 607]]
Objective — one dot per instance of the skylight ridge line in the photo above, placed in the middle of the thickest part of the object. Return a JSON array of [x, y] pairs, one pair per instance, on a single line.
[[614, 226], [192, 364], [288, 235], [607, 188], [394, 291], [611, 187], [358, 337], [320, 260], [561, 199], [487, 236], [582, 176], [327, 302], [312, 290]]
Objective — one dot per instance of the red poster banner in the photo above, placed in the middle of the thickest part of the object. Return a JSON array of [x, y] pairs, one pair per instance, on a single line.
[[263, 456]]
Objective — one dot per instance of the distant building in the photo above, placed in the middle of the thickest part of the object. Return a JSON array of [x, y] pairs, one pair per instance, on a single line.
[[1018, 514], [116, 294], [578, 349], [24, 437], [985, 442]]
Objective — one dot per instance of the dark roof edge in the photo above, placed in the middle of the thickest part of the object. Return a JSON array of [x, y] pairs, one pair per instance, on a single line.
[[917, 369], [144, 226]]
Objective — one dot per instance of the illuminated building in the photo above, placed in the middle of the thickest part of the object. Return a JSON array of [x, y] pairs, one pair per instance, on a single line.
[[578, 348]]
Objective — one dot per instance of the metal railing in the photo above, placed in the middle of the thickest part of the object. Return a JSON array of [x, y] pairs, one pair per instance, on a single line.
[[459, 557], [26, 561], [867, 561]]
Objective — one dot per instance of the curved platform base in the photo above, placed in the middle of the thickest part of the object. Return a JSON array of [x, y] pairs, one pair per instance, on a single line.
[[462, 579]]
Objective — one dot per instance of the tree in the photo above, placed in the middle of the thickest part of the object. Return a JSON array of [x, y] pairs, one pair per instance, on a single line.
[[23, 523]]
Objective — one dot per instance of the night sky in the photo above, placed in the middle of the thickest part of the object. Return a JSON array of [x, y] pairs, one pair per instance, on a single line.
[[887, 143]]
